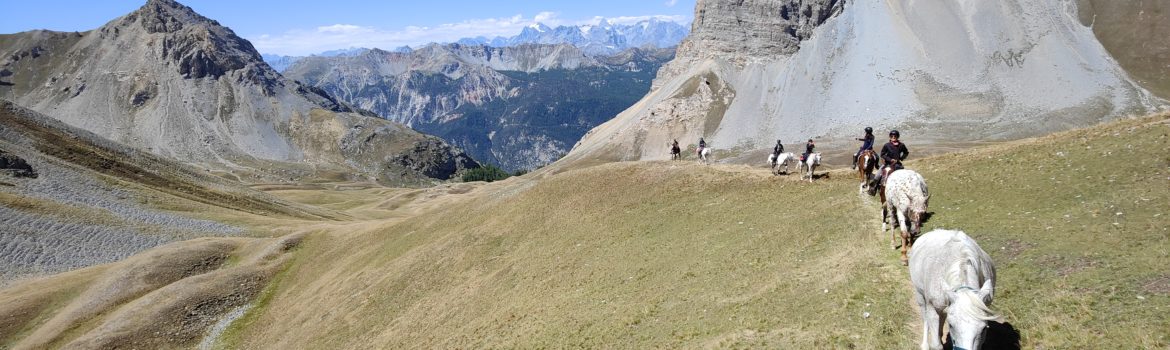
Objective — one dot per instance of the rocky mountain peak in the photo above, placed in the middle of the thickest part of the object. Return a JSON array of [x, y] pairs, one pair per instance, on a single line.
[[164, 16], [197, 46], [756, 27]]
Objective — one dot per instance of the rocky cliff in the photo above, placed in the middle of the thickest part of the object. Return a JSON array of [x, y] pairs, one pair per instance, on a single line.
[[754, 71], [519, 107], [167, 80]]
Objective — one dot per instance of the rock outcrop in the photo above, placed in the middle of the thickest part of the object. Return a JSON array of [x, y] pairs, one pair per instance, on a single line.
[[15, 166], [167, 80], [757, 70]]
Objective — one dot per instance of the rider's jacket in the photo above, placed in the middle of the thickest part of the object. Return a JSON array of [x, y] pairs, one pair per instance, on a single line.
[[867, 142], [892, 152]]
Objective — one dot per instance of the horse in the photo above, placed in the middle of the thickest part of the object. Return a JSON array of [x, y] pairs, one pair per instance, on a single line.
[[704, 154], [954, 281], [782, 159], [867, 161], [811, 163], [675, 152], [906, 196]]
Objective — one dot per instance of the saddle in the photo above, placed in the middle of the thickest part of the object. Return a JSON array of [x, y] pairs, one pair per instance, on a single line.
[[884, 175]]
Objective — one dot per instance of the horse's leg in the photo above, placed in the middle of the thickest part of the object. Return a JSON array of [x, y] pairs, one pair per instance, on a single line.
[[933, 321], [940, 326], [926, 311], [905, 234]]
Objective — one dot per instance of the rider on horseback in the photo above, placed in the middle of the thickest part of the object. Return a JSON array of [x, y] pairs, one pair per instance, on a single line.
[[702, 144], [893, 153], [808, 149], [776, 150], [866, 144]]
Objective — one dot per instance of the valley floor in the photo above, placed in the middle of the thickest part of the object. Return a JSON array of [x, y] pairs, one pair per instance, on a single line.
[[658, 255]]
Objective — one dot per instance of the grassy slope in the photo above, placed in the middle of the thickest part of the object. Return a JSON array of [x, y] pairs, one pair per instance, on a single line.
[[1077, 223], [678, 255], [641, 255]]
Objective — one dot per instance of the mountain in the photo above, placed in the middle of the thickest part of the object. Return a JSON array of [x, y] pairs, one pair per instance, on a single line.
[[754, 71], [71, 199], [167, 80], [519, 106], [1134, 32], [604, 38], [282, 62]]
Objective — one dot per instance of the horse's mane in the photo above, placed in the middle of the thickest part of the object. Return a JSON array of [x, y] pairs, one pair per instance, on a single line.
[[967, 302]]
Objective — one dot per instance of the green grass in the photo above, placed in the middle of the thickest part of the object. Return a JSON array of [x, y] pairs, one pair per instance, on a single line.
[[681, 255], [1077, 224], [677, 255]]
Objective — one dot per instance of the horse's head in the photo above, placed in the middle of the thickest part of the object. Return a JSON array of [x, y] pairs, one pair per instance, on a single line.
[[915, 221], [967, 315]]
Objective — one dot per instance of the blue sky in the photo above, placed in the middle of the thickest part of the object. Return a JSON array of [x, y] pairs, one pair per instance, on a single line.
[[299, 28]]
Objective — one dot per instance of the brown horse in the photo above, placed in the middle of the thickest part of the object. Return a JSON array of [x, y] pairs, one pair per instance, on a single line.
[[675, 152], [867, 161]]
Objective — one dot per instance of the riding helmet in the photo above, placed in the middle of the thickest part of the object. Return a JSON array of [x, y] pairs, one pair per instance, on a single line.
[[894, 133], [868, 130]]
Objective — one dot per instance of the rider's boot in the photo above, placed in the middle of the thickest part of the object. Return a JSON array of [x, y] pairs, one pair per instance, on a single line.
[[854, 162]]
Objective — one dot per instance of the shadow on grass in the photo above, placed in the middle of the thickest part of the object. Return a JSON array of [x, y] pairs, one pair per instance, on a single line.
[[999, 336]]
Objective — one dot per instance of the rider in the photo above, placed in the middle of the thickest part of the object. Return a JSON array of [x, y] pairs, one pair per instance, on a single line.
[[702, 144], [866, 144], [779, 148], [808, 149], [893, 153]]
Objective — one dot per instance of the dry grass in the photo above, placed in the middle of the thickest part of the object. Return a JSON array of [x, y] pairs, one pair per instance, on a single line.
[[680, 255]]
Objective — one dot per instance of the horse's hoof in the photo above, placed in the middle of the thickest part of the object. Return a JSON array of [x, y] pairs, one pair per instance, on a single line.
[[905, 262]]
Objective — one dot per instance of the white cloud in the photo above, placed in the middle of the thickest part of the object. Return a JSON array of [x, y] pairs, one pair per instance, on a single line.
[[671, 3], [340, 36]]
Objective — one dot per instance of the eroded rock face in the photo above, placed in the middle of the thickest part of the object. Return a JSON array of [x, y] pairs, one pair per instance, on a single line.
[[943, 71], [745, 29], [755, 27]]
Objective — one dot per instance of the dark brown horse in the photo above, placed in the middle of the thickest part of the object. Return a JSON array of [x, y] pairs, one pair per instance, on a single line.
[[867, 162], [675, 152]]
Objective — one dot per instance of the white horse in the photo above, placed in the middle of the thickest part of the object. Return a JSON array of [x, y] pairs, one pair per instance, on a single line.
[[811, 164], [783, 159], [954, 281], [704, 154], [906, 197]]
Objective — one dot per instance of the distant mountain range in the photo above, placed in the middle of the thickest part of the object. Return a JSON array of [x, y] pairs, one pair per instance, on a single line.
[[604, 38], [519, 107]]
